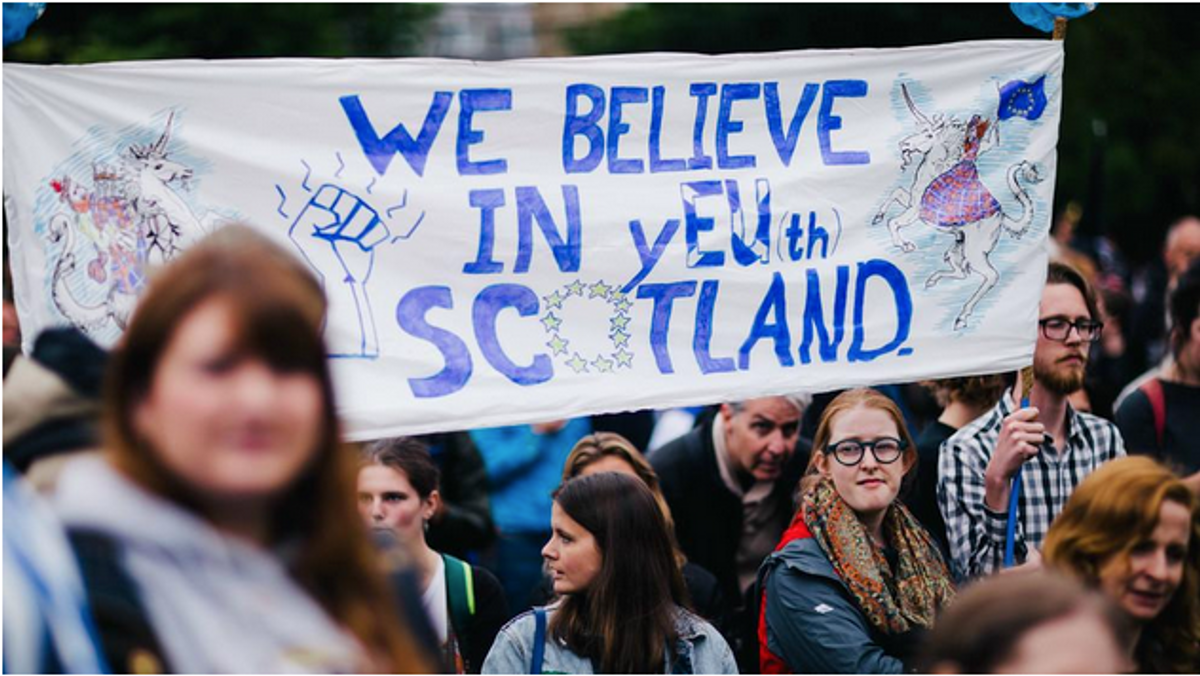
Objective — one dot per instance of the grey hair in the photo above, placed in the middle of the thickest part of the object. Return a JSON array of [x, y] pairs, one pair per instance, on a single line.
[[801, 400]]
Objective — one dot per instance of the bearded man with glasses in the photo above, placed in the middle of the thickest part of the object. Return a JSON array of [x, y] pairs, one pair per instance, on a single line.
[[1055, 445]]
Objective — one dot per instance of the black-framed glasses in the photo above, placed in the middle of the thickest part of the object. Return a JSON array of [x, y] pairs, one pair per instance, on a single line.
[[1058, 328], [849, 452]]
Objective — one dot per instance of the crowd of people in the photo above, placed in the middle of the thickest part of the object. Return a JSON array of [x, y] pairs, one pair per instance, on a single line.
[[186, 503]]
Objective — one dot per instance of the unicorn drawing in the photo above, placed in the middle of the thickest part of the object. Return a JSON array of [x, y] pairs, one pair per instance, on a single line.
[[130, 217], [946, 194]]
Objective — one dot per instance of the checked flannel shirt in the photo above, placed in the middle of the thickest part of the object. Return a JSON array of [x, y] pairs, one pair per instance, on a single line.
[[976, 532]]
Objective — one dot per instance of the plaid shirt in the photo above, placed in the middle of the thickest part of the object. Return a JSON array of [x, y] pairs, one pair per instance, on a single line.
[[976, 532]]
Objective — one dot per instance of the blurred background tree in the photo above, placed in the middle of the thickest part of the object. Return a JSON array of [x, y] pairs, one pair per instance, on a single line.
[[1128, 146], [87, 33]]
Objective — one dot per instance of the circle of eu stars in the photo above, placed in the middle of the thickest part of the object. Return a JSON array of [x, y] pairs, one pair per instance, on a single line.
[[618, 328]]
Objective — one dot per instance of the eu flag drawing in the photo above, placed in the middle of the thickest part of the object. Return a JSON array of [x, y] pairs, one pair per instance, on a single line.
[[1023, 99]]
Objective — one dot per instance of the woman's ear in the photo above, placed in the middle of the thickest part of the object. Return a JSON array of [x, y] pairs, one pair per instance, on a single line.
[[433, 506], [821, 462]]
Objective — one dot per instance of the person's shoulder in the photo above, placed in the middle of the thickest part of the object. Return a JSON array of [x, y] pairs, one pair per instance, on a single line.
[[805, 556], [1136, 402], [1100, 434], [678, 452], [692, 627], [978, 430], [481, 573], [524, 623], [1095, 422]]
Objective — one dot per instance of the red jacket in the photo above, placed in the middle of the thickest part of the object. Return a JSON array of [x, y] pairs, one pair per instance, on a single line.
[[769, 662]]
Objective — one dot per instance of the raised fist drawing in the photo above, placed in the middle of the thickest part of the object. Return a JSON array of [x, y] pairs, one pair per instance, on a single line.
[[337, 232]]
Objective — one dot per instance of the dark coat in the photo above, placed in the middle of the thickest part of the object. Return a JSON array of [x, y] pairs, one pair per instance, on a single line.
[[465, 524], [708, 522], [491, 614], [708, 517], [812, 623]]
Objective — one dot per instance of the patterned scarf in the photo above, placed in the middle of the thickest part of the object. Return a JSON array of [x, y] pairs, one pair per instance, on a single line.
[[892, 601]]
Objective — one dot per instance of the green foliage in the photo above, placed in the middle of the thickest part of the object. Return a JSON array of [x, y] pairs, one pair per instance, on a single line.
[[87, 33], [1133, 67]]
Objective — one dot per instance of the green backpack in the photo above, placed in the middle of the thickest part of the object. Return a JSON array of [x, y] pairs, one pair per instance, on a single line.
[[460, 590]]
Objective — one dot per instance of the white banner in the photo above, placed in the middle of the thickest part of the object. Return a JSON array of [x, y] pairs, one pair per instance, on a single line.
[[523, 240]]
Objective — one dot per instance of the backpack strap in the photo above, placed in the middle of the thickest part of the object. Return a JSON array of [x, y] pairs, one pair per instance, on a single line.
[[539, 640], [1153, 390], [126, 635], [460, 593]]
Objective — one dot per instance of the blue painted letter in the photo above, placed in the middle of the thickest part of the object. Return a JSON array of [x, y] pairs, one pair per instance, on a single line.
[[487, 201], [694, 225], [702, 91], [727, 126], [703, 336], [828, 122], [884, 269], [664, 296], [617, 128], [575, 124], [488, 304], [775, 303], [657, 163], [469, 101], [814, 317], [410, 315], [531, 207], [379, 151], [785, 144]]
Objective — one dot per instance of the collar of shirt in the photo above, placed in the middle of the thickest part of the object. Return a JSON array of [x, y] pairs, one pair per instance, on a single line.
[[758, 492]]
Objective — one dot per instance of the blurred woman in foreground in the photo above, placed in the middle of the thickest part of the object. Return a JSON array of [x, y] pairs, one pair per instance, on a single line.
[[1132, 530], [219, 532]]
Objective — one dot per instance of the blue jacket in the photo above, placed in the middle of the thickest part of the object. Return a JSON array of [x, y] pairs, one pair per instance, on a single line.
[[700, 649], [523, 469], [811, 621]]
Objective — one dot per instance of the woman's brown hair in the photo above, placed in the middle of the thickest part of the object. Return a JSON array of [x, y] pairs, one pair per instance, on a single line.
[[277, 308], [1110, 513], [599, 445], [846, 401], [625, 619]]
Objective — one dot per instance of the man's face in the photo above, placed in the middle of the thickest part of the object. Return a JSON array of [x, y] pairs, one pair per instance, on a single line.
[[1183, 247], [1061, 365], [761, 437]]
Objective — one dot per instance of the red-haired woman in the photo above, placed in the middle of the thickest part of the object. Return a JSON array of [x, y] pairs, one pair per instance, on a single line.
[[1132, 530], [855, 576]]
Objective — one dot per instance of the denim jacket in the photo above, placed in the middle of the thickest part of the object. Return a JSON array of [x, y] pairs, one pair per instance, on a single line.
[[700, 649]]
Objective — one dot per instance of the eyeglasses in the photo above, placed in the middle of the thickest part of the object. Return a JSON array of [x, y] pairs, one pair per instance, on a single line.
[[1058, 328], [849, 452]]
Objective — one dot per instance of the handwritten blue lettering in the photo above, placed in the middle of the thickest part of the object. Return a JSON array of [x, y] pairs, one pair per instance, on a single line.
[[470, 101], [827, 122], [379, 151], [410, 315]]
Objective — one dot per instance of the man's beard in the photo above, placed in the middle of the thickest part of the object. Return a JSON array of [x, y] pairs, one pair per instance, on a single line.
[[1060, 379]]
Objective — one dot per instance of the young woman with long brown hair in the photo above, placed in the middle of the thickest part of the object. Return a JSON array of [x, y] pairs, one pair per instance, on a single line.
[[612, 562], [1132, 530], [611, 452], [224, 505]]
